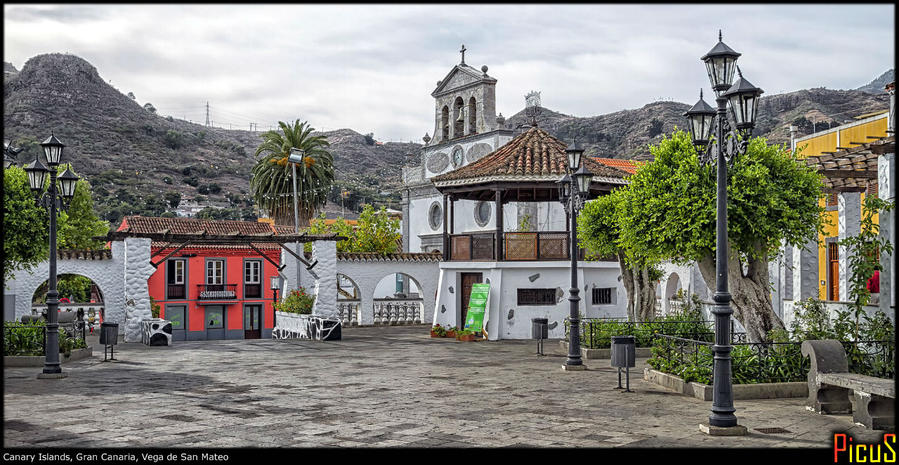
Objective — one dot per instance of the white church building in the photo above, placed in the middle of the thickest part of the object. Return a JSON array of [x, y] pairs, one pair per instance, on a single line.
[[485, 196]]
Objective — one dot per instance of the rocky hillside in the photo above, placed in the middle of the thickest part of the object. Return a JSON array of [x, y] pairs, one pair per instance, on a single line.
[[876, 86], [627, 133], [133, 157]]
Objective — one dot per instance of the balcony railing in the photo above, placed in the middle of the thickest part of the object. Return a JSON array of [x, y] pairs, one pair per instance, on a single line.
[[252, 291], [517, 246], [216, 291], [176, 291]]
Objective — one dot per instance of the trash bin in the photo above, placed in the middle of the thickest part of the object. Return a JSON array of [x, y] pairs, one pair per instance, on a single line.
[[109, 336], [540, 332], [624, 355]]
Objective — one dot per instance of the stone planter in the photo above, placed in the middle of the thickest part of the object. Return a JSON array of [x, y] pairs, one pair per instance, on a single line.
[[741, 391], [38, 360], [465, 337], [299, 326]]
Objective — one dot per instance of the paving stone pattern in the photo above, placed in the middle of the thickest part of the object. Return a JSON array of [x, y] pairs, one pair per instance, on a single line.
[[378, 387]]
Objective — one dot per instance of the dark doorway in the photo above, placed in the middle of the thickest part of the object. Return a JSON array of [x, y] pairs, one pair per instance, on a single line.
[[252, 322], [215, 322], [833, 271], [467, 280]]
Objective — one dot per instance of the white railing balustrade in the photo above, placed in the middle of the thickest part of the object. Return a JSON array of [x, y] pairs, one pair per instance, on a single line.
[[398, 311], [350, 312]]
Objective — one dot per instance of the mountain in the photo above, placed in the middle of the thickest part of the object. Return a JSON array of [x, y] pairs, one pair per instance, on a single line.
[[627, 133], [876, 86], [133, 156]]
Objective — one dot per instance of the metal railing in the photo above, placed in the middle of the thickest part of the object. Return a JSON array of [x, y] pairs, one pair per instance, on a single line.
[[24, 338], [216, 291], [517, 246], [764, 362], [175, 291], [596, 333]]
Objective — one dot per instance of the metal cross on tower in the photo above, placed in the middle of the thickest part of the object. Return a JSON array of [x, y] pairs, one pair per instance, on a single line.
[[462, 51]]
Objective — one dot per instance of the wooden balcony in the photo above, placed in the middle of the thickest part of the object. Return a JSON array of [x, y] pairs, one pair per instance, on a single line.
[[517, 246]]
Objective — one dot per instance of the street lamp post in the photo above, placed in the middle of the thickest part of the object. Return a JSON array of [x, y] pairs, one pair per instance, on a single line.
[[728, 143], [573, 191], [37, 174], [296, 157], [275, 285]]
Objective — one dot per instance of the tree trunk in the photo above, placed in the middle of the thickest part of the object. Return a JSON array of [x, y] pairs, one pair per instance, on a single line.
[[627, 277], [750, 292], [641, 291]]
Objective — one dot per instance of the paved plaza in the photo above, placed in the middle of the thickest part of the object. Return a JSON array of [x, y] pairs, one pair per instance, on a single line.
[[378, 387]]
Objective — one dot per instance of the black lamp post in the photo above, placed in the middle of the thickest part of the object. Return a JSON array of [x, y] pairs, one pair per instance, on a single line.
[[573, 191], [727, 143], [275, 285], [37, 175]]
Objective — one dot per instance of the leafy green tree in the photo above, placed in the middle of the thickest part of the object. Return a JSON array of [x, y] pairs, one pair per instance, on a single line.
[[668, 213], [80, 224], [272, 180], [375, 231], [25, 225], [863, 251], [173, 199], [599, 233]]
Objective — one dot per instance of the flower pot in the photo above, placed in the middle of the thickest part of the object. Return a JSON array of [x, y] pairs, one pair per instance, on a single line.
[[450, 334], [465, 337], [433, 334]]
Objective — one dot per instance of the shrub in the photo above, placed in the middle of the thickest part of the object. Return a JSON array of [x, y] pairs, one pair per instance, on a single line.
[[297, 301]]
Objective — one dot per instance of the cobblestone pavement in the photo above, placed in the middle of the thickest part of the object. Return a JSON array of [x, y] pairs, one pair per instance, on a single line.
[[378, 387]]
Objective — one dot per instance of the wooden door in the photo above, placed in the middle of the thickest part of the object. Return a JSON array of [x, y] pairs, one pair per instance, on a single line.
[[833, 271], [252, 322], [467, 280]]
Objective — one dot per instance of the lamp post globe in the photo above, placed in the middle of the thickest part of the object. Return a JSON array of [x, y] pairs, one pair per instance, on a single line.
[[744, 102], [582, 179], [52, 150], [574, 152], [720, 63], [701, 118], [37, 175], [67, 182]]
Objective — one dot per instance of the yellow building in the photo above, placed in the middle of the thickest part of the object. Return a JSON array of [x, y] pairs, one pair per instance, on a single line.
[[865, 129]]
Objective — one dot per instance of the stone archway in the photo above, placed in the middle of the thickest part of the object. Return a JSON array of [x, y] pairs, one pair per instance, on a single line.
[[120, 272]]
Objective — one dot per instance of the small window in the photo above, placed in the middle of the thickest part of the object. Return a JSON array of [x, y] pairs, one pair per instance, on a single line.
[[602, 295], [252, 272], [215, 272], [536, 296], [435, 216], [176, 272], [482, 213]]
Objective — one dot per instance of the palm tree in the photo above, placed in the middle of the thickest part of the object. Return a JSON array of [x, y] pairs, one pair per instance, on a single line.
[[272, 177]]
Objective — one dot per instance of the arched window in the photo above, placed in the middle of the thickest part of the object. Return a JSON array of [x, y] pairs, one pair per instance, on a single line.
[[458, 118], [472, 116], [444, 122]]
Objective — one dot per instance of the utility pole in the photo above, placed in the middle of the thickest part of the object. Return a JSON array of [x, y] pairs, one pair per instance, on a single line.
[[207, 113]]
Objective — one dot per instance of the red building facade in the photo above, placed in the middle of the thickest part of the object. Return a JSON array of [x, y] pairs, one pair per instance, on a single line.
[[211, 291]]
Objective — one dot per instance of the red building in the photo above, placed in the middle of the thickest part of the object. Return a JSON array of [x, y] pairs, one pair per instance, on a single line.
[[211, 291]]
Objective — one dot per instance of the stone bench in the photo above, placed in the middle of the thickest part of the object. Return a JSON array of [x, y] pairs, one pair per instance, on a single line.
[[829, 384]]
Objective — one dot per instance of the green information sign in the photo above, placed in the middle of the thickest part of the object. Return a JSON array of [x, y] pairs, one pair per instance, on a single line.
[[477, 307]]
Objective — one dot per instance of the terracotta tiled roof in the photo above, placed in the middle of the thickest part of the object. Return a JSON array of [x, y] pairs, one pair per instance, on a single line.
[[151, 224], [77, 254], [534, 155], [392, 257], [627, 165]]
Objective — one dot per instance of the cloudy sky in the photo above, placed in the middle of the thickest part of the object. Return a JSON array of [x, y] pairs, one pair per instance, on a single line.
[[372, 67]]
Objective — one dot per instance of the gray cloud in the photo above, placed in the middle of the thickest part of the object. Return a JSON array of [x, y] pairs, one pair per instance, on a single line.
[[372, 67]]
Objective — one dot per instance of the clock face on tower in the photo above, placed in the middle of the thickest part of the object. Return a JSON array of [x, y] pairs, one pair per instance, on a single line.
[[457, 157]]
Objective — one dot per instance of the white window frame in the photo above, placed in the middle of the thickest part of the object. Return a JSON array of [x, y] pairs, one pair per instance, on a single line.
[[210, 267], [257, 264], [178, 271]]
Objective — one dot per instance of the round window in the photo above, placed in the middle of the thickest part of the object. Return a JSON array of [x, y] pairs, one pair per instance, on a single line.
[[482, 213], [435, 215]]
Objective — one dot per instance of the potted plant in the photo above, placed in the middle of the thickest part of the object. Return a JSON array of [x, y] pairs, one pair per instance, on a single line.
[[465, 335], [297, 301], [451, 332], [438, 331]]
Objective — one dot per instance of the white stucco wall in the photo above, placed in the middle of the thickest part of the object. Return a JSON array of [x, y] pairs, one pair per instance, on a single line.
[[506, 278]]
